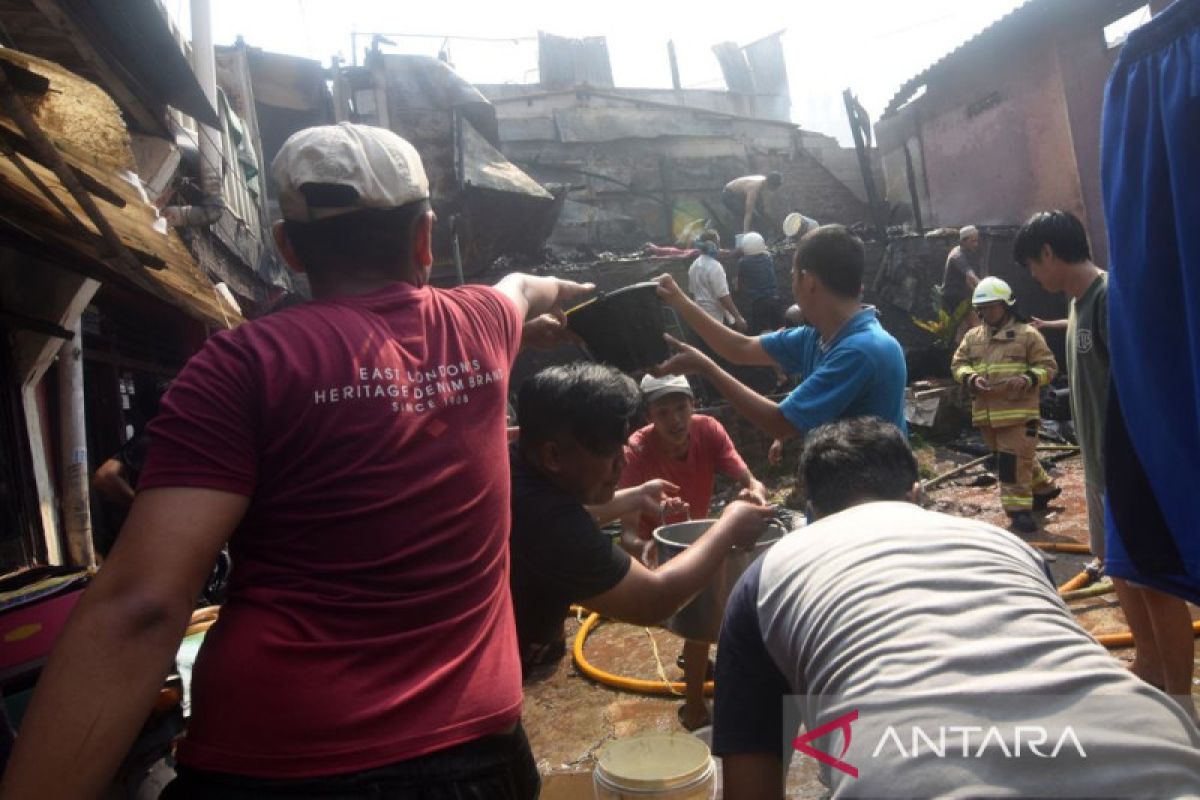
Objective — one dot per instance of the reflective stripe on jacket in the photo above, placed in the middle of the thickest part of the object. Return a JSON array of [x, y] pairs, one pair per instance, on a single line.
[[1013, 349]]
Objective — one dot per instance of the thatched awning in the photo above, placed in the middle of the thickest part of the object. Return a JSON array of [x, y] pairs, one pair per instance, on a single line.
[[87, 130]]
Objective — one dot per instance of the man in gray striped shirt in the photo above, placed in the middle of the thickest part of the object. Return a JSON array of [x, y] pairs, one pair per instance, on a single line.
[[929, 656]]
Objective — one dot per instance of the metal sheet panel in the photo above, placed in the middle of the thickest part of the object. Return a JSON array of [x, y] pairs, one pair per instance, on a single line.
[[734, 67], [612, 124], [564, 61], [485, 167]]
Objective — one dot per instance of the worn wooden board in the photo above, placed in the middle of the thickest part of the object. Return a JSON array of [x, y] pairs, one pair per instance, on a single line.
[[78, 116], [87, 128]]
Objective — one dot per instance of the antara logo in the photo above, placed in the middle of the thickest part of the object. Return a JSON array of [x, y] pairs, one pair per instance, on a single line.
[[947, 741], [801, 743], [973, 741]]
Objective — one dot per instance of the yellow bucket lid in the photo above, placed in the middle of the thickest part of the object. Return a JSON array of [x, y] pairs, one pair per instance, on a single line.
[[654, 761]]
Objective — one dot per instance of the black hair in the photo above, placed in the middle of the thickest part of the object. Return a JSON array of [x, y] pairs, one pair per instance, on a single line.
[[1062, 230], [710, 236], [854, 461], [774, 180], [835, 256], [367, 241], [592, 403]]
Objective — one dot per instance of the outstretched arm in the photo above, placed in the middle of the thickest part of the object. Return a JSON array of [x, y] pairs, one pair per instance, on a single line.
[[122, 638], [750, 404], [647, 597], [730, 345], [751, 202], [534, 295], [1048, 324], [650, 498]]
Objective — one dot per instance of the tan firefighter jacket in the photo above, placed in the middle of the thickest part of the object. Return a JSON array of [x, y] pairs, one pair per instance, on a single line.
[[1014, 348]]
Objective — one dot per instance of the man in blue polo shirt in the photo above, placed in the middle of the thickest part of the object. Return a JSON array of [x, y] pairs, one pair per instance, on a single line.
[[850, 366]]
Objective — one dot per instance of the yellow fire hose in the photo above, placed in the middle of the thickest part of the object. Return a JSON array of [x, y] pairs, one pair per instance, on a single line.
[[1078, 582], [1063, 547], [663, 688], [1125, 638]]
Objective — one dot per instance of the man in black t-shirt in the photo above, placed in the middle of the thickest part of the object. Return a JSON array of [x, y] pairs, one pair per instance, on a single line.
[[574, 422], [115, 482]]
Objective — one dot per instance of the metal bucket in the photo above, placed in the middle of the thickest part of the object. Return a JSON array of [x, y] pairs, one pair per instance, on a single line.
[[700, 620], [623, 328]]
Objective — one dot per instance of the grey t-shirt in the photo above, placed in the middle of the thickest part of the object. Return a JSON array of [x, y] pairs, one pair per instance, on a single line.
[[890, 616], [1087, 367], [954, 278]]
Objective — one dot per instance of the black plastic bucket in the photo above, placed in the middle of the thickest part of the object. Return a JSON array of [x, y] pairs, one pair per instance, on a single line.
[[623, 328]]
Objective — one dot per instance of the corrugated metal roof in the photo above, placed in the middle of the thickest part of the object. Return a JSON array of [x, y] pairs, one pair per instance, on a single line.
[[1023, 14]]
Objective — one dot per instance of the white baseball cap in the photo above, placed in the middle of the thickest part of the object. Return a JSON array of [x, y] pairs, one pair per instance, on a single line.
[[654, 388], [329, 170]]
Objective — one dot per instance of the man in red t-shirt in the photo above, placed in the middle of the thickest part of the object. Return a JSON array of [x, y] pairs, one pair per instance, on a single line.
[[687, 449], [352, 451]]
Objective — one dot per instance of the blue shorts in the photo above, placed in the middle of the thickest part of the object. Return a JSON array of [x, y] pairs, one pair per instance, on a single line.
[[1151, 177]]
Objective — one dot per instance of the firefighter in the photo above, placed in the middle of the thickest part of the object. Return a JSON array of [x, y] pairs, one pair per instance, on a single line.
[[1002, 363]]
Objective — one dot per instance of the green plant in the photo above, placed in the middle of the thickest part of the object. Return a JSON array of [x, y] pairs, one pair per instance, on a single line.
[[945, 326]]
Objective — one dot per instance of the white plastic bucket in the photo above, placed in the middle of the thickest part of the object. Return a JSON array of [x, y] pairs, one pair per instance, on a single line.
[[668, 766], [796, 224]]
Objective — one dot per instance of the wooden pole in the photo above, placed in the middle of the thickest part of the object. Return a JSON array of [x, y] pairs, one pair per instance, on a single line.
[[76, 507]]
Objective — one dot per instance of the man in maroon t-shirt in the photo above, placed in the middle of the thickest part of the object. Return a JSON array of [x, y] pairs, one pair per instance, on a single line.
[[687, 449], [352, 451]]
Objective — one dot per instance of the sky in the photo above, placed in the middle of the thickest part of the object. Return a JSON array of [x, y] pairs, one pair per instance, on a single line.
[[869, 46]]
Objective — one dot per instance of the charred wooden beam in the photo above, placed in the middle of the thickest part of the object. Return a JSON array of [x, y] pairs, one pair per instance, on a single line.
[[15, 320]]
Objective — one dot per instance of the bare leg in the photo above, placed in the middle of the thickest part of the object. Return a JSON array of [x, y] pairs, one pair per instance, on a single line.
[[695, 668], [1174, 637], [1162, 632], [1147, 664]]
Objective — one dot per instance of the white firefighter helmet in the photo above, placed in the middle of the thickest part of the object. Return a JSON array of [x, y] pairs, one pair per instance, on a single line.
[[992, 290]]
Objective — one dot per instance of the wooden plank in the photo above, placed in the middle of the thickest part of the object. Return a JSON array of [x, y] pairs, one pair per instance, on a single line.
[[47, 502], [85, 126], [49, 155], [180, 283], [22, 322]]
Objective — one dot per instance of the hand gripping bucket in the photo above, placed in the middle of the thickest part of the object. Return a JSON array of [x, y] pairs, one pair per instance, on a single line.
[[700, 620]]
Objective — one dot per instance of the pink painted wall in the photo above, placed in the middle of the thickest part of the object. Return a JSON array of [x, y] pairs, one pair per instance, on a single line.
[[1084, 64], [1009, 127]]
